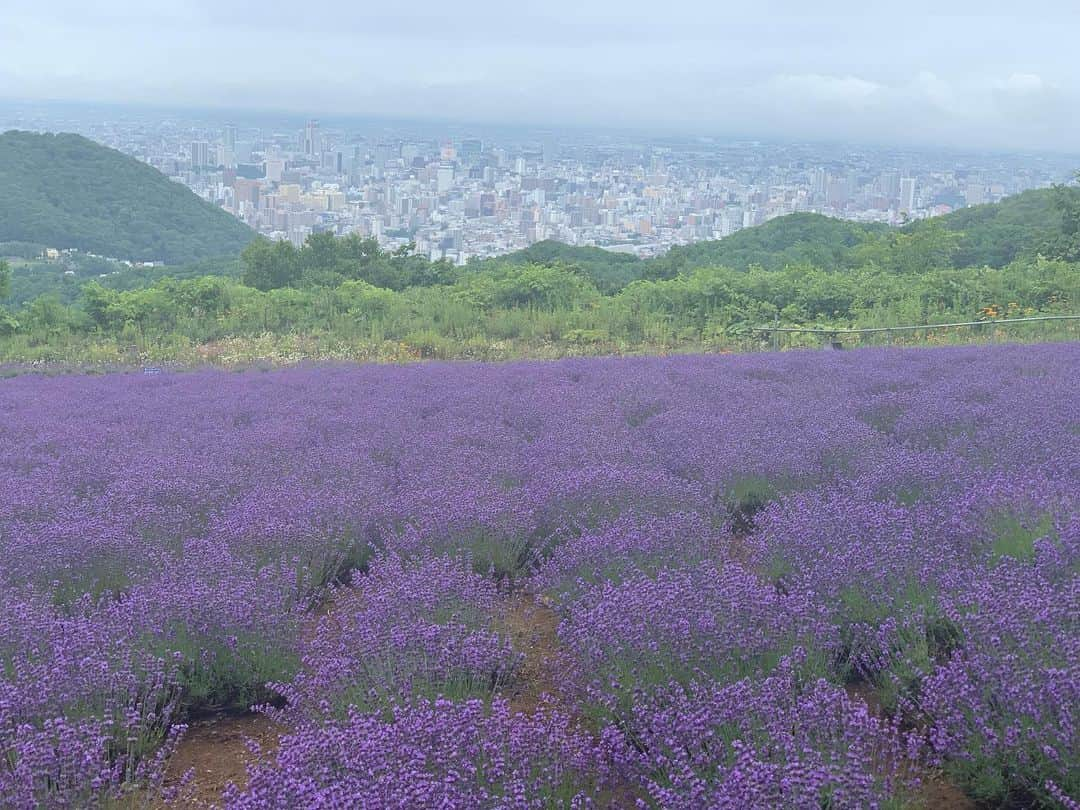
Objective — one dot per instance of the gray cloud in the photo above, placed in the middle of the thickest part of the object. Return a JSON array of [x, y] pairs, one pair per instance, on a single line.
[[980, 74]]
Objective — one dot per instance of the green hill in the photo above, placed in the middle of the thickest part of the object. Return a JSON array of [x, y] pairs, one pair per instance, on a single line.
[[997, 233], [65, 191], [793, 239], [990, 235], [608, 270]]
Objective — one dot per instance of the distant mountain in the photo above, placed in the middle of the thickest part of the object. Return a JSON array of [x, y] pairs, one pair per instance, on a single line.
[[66, 191]]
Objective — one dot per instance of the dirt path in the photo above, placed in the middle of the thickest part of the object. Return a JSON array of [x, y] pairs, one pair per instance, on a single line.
[[533, 627], [937, 794], [216, 748], [216, 751]]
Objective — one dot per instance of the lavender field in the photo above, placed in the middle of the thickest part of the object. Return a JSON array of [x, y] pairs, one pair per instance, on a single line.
[[802, 580]]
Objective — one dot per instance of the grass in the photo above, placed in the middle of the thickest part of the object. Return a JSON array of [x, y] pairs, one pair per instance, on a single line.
[[215, 675], [745, 497], [918, 635], [1015, 537]]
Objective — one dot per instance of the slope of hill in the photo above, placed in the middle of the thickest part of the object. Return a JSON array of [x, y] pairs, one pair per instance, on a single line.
[[793, 239], [66, 191], [608, 270], [991, 235], [997, 233]]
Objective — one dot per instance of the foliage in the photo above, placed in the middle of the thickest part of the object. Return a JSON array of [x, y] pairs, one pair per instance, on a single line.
[[802, 238], [66, 191], [1066, 245], [22, 250], [609, 271], [996, 234], [501, 311], [325, 261], [354, 300]]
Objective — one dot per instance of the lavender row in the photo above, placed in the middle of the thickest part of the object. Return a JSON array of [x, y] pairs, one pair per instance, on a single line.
[[704, 525]]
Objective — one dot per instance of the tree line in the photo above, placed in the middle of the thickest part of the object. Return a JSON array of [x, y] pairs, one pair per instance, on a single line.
[[554, 299]]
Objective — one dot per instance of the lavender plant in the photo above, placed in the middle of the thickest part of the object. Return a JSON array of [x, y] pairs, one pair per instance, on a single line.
[[432, 754], [908, 519], [409, 629], [782, 741]]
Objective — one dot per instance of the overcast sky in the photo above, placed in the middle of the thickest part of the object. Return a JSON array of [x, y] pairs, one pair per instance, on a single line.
[[950, 72]]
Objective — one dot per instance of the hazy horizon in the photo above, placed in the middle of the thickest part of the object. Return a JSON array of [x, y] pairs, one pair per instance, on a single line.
[[972, 78]]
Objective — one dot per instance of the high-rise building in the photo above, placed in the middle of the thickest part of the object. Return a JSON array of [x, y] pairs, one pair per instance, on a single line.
[[274, 168], [228, 147], [246, 191], [975, 194], [549, 152], [312, 139], [445, 178], [200, 154], [383, 154], [838, 192], [333, 161], [907, 195], [889, 185], [471, 147]]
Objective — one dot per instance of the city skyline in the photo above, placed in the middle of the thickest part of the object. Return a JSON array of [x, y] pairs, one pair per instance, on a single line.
[[461, 193], [979, 76]]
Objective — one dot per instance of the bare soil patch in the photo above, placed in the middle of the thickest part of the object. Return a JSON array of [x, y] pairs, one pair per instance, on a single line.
[[216, 751], [937, 794], [533, 626]]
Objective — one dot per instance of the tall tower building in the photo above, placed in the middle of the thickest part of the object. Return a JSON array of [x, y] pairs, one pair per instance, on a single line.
[[889, 184], [907, 195], [312, 139], [228, 147], [549, 151], [200, 154], [444, 178]]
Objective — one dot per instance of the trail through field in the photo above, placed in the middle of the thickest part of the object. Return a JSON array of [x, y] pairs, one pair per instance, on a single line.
[[937, 794], [217, 752], [534, 630], [533, 625]]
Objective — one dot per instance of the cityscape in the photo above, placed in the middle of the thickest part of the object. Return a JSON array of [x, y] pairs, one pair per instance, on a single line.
[[459, 194]]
